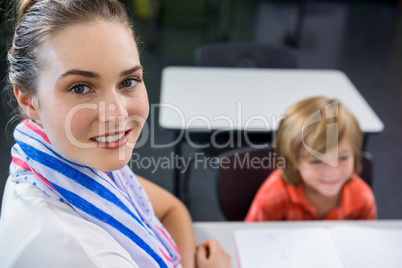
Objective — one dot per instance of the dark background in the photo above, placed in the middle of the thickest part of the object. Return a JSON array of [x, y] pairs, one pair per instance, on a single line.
[[361, 38]]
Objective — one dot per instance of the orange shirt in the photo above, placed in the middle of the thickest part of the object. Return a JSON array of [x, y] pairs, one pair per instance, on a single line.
[[278, 200]]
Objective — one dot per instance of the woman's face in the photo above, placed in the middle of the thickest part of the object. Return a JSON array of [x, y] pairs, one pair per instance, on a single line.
[[91, 98]]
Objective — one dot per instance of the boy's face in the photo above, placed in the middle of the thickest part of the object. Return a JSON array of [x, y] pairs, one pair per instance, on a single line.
[[321, 177]]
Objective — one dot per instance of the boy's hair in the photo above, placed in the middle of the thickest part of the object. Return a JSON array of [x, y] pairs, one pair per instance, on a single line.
[[294, 132]]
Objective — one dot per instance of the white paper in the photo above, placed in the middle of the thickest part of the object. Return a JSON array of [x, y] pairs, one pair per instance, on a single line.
[[368, 247], [341, 246], [307, 247]]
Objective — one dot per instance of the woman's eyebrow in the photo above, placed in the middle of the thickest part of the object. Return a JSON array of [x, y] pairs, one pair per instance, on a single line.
[[90, 74], [78, 72], [131, 70]]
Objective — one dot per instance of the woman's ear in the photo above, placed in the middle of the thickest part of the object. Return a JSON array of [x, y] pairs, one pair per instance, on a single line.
[[28, 104]]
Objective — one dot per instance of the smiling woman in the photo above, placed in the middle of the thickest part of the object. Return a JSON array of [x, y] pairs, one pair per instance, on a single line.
[[70, 199], [79, 76]]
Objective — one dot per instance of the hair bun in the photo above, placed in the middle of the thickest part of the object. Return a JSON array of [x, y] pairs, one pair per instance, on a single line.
[[24, 6]]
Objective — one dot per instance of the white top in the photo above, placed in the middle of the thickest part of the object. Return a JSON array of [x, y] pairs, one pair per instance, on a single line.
[[37, 230], [204, 98]]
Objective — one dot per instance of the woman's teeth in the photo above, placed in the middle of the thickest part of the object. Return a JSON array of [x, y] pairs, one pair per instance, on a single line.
[[114, 138]]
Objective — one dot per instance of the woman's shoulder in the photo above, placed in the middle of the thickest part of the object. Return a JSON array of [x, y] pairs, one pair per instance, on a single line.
[[37, 229]]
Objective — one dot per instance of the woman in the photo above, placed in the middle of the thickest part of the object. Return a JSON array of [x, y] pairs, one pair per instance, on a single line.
[[70, 199]]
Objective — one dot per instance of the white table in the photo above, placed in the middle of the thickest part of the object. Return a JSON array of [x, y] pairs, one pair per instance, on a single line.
[[206, 98], [223, 231]]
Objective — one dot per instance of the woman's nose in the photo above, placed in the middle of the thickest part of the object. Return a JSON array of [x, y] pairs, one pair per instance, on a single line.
[[112, 108]]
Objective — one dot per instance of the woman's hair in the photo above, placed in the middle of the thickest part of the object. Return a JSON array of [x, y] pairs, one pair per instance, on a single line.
[[38, 20], [306, 124]]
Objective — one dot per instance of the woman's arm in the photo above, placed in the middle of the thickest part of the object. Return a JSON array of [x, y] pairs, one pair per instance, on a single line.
[[175, 217]]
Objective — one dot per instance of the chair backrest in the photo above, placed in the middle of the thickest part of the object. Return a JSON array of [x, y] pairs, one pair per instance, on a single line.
[[240, 174], [244, 55], [242, 171], [367, 168]]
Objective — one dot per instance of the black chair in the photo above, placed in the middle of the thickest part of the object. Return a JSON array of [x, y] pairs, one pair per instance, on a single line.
[[244, 55], [367, 168], [237, 184]]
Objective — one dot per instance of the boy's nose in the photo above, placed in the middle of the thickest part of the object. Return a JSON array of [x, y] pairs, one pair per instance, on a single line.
[[332, 172]]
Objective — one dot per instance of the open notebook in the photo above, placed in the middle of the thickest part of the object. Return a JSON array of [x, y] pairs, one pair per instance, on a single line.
[[340, 246]]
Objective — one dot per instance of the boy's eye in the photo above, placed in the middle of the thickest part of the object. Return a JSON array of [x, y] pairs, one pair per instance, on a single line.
[[129, 82], [80, 89], [315, 162], [344, 158]]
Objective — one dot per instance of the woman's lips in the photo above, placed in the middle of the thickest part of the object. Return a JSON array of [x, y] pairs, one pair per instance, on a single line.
[[112, 140]]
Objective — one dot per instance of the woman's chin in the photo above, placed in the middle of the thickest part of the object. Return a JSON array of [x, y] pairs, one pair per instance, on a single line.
[[108, 163], [113, 165], [111, 168], [113, 159]]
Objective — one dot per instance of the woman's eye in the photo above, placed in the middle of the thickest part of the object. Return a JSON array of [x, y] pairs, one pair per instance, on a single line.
[[129, 83], [80, 89]]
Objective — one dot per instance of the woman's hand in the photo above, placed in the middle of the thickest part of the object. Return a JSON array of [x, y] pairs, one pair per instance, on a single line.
[[210, 255]]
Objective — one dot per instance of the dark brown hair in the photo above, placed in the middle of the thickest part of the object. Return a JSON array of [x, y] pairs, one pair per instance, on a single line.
[[38, 20]]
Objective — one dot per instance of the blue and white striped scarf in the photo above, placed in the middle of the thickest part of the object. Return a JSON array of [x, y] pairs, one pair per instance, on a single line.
[[115, 200]]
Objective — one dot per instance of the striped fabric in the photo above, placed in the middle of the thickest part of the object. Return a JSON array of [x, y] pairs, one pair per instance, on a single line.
[[115, 200]]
